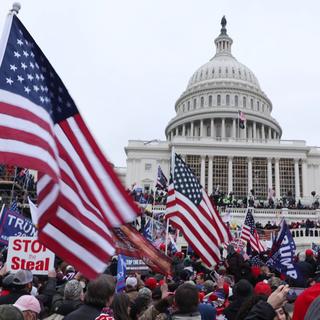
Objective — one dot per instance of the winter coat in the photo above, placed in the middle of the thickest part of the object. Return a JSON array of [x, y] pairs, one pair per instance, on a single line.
[[261, 311], [234, 261], [85, 312]]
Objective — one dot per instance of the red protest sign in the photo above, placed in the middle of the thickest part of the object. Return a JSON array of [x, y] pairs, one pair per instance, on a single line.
[[29, 254]]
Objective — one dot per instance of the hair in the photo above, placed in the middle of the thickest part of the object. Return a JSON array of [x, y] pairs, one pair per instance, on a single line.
[[186, 298], [120, 306], [247, 306], [99, 291], [140, 304]]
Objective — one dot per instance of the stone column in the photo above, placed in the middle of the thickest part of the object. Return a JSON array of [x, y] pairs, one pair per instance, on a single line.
[[234, 128], [254, 128], [277, 176], [184, 130], [176, 131], [201, 128], [230, 177], [250, 183], [304, 178], [297, 178], [210, 175], [263, 136], [171, 135], [223, 128], [269, 133], [269, 173], [192, 129], [203, 170], [212, 128]]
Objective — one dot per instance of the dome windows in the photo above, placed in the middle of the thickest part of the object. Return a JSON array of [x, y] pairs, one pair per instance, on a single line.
[[236, 100], [194, 103], [218, 100], [258, 105], [210, 101], [251, 103], [227, 99], [188, 105], [244, 102], [202, 102]]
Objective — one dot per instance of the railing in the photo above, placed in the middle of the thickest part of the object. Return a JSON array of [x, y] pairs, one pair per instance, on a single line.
[[306, 233]]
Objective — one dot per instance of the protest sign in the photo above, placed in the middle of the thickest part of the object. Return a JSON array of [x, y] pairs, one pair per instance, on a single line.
[[13, 223], [136, 265], [29, 254]]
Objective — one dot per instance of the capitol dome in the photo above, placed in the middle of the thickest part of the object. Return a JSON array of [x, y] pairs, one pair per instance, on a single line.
[[216, 94]]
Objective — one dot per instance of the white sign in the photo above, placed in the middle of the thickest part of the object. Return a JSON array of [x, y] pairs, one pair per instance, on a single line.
[[28, 253]]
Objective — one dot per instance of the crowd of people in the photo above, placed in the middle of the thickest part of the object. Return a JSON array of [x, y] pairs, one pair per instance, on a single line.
[[17, 184], [235, 290]]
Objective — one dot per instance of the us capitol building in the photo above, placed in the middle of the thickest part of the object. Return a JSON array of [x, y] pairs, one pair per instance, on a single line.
[[206, 132]]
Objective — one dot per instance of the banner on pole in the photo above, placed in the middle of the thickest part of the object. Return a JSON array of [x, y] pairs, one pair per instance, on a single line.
[[12, 224], [27, 253]]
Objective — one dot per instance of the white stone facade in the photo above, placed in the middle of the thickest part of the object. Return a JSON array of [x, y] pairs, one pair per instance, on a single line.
[[206, 132]]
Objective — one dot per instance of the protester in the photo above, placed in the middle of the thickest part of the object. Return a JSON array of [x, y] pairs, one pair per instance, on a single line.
[[29, 306], [21, 285], [9, 312], [99, 295], [121, 307]]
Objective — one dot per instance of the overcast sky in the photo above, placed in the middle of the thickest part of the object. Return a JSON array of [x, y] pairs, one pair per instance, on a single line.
[[126, 62]]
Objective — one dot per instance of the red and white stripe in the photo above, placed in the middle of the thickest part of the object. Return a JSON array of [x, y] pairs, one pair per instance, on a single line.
[[253, 239], [79, 195], [201, 226]]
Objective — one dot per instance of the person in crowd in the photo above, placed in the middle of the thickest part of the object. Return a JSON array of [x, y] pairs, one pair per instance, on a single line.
[[99, 295], [233, 261], [200, 279], [131, 288], [29, 306], [121, 307], [71, 300], [304, 300], [263, 288], [186, 301], [241, 292], [10, 312], [21, 284]]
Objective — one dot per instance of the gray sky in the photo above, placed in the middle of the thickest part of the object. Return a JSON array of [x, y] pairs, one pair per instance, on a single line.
[[126, 62]]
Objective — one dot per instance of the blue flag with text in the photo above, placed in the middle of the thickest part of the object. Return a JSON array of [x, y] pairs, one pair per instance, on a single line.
[[121, 273], [282, 253]]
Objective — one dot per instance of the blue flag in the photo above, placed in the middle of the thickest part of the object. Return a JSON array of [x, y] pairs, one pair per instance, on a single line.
[[121, 273], [12, 224], [147, 231], [282, 253], [315, 248]]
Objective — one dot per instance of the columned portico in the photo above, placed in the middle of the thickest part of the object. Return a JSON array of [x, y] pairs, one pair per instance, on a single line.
[[277, 177], [210, 175], [297, 178], [230, 178], [249, 174], [269, 173], [203, 171]]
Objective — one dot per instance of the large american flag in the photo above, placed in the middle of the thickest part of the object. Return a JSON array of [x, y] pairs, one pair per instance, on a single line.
[[190, 210], [249, 232], [79, 196]]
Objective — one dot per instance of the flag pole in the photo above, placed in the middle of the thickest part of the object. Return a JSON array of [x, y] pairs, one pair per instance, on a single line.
[[172, 177]]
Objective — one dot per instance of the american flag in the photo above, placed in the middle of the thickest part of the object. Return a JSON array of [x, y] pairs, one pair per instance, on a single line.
[[249, 232], [162, 182], [79, 196], [190, 210]]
